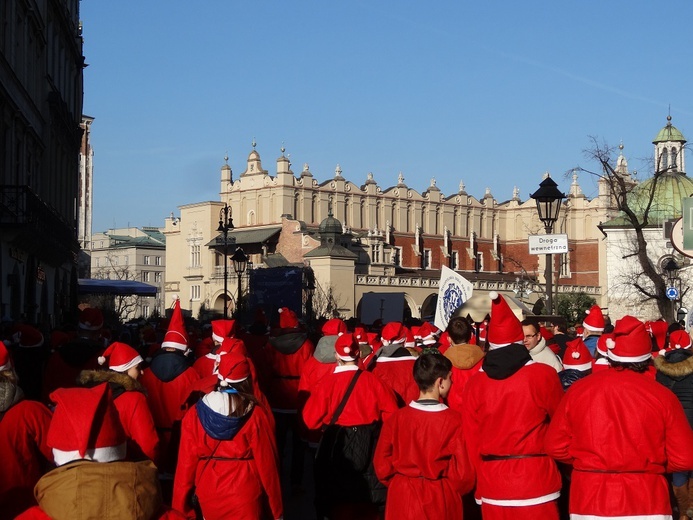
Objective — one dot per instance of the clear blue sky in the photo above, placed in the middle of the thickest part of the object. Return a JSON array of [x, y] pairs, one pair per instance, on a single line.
[[490, 93]]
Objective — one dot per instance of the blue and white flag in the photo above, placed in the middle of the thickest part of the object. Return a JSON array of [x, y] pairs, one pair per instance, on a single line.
[[453, 291]]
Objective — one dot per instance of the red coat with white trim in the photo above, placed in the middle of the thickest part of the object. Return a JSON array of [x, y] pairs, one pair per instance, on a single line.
[[398, 374], [231, 485], [286, 355], [370, 401], [422, 460], [204, 365], [509, 417], [621, 432], [24, 455]]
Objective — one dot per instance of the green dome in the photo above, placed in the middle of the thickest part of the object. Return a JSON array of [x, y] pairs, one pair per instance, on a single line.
[[671, 188], [330, 225], [669, 133]]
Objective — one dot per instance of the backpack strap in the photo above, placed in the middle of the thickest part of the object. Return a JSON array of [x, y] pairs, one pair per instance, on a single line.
[[344, 400]]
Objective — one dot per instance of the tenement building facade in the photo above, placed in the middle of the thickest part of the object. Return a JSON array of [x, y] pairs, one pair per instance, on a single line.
[[390, 239]]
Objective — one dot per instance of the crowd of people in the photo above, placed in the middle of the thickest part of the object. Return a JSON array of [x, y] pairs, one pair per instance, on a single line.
[[495, 420]]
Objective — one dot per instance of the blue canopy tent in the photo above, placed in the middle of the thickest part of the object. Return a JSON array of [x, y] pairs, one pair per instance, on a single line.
[[119, 287]]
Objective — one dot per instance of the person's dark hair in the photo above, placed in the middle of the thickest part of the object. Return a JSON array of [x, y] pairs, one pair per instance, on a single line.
[[459, 330], [561, 326], [244, 400], [429, 367], [527, 323], [640, 367]]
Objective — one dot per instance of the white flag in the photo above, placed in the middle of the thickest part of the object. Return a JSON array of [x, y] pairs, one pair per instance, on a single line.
[[453, 291]]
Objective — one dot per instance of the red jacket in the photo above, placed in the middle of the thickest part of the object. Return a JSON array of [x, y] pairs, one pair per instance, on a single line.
[[370, 400], [286, 355], [398, 374], [205, 365], [313, 373], [509, 417], [422, 460], [466, 362], [233, 483], [24, 455], [65, 364], [622, 432]]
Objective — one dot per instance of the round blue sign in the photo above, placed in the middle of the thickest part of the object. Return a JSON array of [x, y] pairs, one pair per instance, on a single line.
[[672, 293]]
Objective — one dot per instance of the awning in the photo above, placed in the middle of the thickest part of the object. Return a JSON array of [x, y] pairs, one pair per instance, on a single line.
[[245, 236], [121, 287]]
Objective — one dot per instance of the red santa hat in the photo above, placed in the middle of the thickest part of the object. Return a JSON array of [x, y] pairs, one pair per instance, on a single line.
[[577, 356], [90, 318], [334, 327], [287, 318], [677, 339], [631, 342], [27, 336], [594, 321], [579, 330], [658, 329], [601, 343], [85, 425], [347, 348], [374, 341], [58, 338], [233, 368], [600, 364], [361, 335], [545, 333], [222, 329], [393, 333], [5, 360], [428, 333], [230, 345], [121, 357], [176, 336], [504, 328]]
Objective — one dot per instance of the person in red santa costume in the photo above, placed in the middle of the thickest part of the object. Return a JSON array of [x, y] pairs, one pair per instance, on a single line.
[[507, 408], [168, 381], [287, 351], [81, 353], [24, 453], [577, 362], [221, 329], [394, 364], [622, 432], [370, 401], [91, 479], [420, 455], [466, 359], [130, 400], [227, 456], [317, 367]]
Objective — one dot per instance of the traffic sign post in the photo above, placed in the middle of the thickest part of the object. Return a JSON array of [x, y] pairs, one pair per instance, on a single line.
[[672, 293]]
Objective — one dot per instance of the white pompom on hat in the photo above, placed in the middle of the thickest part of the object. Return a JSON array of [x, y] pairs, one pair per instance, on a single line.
[[679, 339], [347, 348], [393, 333], [577, 356], [504, 328], [233, 368], [121, 357]]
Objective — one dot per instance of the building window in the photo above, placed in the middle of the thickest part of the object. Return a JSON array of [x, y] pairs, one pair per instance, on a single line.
[[157, 260], [145, 311], [147, 260], [115, 260], [126, 259], [397, 256], [564, 268], [454, 260], [146, 276], [427, 259], [195, 256], [98, 262], [194, 292], [157, 277], [479, 264], [375, 253]]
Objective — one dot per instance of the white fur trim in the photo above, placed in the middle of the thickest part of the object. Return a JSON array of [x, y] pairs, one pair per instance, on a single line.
[[662, 352], [610, 343], [593, 329], [628, 359], [493, 346], [346, 358], [228, 381], [575, 516], [493, 295], [385, 359], [106, 454], [6, 366], [428, 407], [523, 501], [582, 368], [127, 366], [345, 368], [217, 338]]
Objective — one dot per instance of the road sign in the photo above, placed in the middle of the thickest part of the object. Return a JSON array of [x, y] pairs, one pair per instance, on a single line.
[[687, 203], [548, 244], [672, 293], [677, 239]]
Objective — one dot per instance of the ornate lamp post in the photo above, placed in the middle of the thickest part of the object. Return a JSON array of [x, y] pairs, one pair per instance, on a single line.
[[671, 268], [225, 224], [548, 198], [240, 262]]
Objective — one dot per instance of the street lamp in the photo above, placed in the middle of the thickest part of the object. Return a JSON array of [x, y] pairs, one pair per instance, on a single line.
[[225, 224], [240, 262], [548, 198], [671, 268]]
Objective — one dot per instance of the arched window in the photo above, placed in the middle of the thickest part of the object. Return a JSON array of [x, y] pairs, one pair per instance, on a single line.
[[251, 218], [345, 221], [296, 206], [313, 207], [362, 214], [673, 158], [663, 160], [377, 215]]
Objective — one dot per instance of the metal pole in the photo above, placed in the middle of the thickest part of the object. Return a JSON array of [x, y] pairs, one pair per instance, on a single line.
[[548, 274], [240, 294], [226, 273]]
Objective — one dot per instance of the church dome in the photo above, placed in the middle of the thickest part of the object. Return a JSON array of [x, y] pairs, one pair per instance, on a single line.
[[330, 225], [669, 133], [667, 201]]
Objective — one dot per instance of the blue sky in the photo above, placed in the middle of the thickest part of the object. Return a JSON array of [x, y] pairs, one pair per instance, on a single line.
[[489, 93]]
